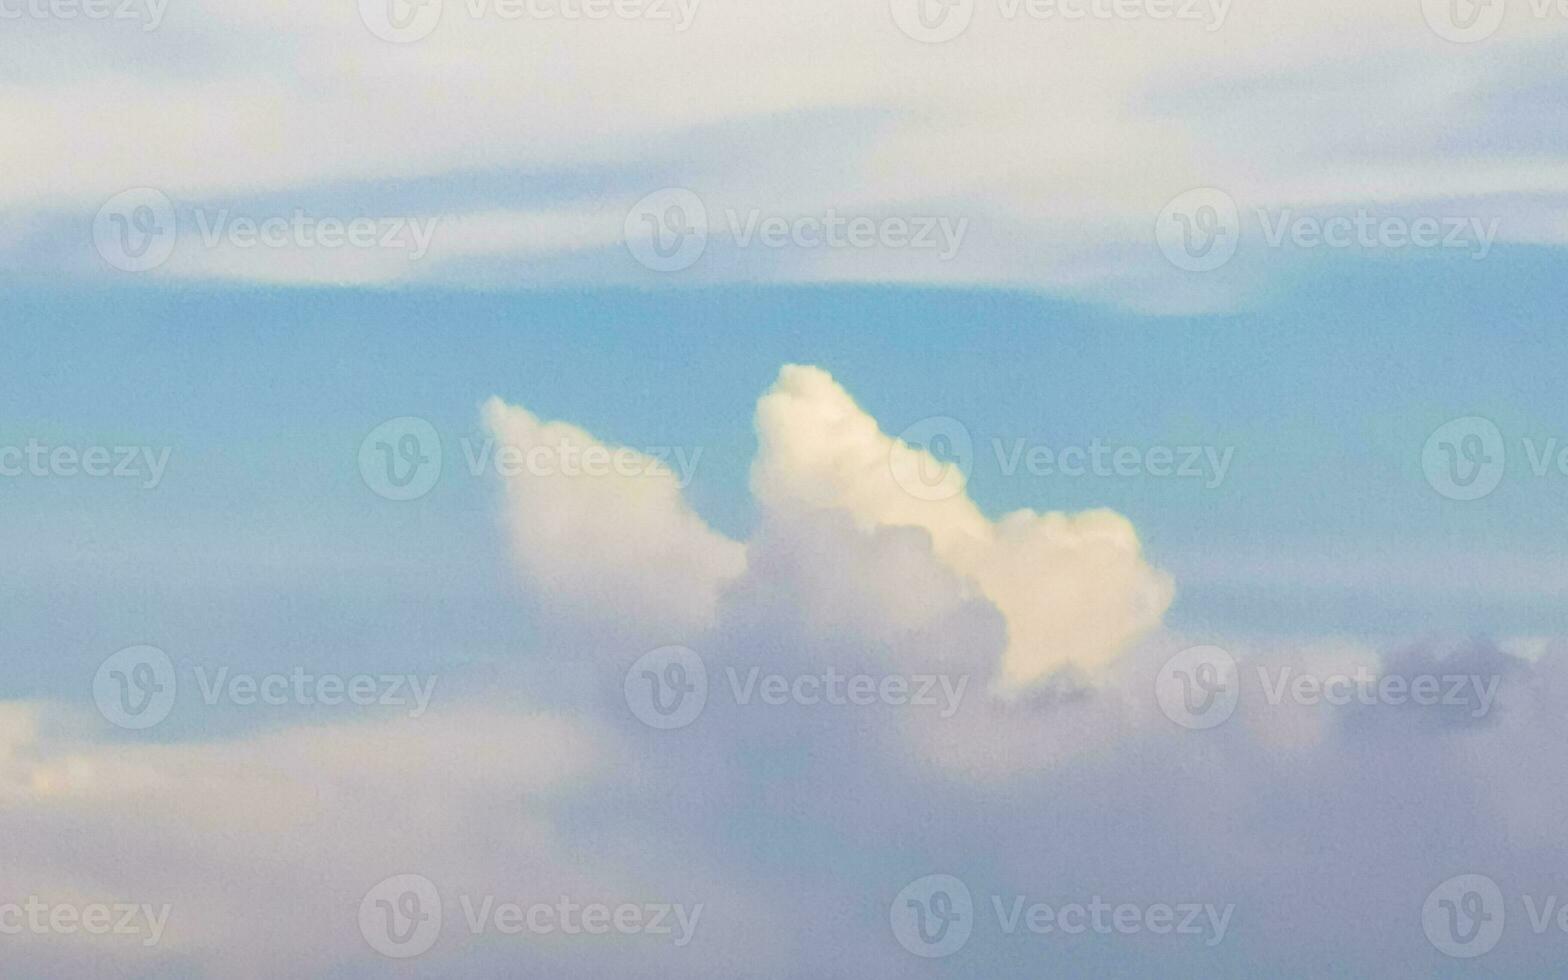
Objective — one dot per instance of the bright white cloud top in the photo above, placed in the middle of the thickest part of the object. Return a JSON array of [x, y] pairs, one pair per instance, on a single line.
[[1073, 589]]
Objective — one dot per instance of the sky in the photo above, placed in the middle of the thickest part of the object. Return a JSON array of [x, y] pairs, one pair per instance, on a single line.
[[702, 489]]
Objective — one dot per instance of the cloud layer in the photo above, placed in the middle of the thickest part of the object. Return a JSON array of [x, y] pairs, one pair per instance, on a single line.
[[795, 811]]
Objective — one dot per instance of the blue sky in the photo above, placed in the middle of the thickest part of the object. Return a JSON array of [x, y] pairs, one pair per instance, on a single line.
[[1327, 399]]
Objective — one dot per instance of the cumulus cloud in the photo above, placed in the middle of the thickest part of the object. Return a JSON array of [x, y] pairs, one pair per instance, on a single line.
[[1074, 588], [797, 822], [605, 528]]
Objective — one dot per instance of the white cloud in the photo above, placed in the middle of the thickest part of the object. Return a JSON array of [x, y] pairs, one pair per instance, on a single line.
[[623, 544], [1074, 588], [1058, 139]]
